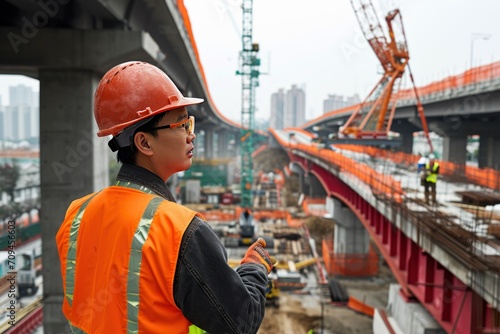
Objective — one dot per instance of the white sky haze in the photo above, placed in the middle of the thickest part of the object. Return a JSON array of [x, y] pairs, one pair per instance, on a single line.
[[318, 45]]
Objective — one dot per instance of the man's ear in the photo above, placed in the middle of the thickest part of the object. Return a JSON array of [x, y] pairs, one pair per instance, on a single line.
[[141, 143]]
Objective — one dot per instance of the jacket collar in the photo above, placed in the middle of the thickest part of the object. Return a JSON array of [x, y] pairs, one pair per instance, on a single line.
[[143, 177]]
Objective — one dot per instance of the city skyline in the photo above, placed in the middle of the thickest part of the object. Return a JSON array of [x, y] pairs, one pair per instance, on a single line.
[[20, 119], [288, 108]]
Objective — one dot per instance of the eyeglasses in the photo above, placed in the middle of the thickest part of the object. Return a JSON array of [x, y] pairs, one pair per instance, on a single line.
[[187, 124]]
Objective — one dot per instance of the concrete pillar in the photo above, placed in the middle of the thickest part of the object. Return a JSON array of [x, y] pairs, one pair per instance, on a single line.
[[315, 187], [209, 143], [73, 163], [225, 145], [406, 142], [454, 148], [351, 236], [489, 151], [408, 316]]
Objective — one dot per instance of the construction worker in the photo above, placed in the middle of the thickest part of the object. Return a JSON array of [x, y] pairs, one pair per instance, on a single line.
[[431, 176], [132, 259]]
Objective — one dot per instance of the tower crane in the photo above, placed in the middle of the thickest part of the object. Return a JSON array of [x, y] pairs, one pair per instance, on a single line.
[[249, 70], [373, 118]]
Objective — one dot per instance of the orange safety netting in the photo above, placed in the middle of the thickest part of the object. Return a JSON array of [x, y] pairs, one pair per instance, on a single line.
[[473, 76], [379, 183], [486, 177], [353, 265]]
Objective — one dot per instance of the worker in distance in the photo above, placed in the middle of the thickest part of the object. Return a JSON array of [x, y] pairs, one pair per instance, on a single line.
[[132, 259]]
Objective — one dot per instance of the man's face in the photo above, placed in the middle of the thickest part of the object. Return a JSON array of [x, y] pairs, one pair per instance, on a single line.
[[172, 147]]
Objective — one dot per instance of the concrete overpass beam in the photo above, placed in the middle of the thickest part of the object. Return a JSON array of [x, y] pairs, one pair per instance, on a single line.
[[98, 50], [74, 162]]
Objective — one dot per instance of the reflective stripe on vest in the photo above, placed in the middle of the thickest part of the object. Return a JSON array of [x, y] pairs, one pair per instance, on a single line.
[[135, 260], [195, 330], [71, 257], [134, 265]]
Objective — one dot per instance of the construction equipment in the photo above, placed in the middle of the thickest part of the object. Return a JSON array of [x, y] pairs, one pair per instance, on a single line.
[[249, 71], [373, 118]]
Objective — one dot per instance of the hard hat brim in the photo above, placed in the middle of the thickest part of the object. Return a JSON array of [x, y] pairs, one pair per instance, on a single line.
[[183, 102]]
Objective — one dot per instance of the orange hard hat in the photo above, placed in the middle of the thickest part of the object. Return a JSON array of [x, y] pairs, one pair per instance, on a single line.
[[132, 92]]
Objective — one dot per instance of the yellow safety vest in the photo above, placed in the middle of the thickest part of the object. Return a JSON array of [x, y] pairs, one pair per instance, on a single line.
[[432, 177]]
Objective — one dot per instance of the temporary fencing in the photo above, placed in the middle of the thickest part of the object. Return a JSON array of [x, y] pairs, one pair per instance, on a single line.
[[349, 265]]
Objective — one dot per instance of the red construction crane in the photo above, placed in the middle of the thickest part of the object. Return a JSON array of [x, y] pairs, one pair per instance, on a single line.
[[374, 116]]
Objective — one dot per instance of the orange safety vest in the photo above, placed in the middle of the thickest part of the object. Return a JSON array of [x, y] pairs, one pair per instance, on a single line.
[[118, 250]]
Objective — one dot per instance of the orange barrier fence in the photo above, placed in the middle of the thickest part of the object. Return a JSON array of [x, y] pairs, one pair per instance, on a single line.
[[358, 306], [486, 177], [19, 154], [314, 206], [379, 183], [350, 265]]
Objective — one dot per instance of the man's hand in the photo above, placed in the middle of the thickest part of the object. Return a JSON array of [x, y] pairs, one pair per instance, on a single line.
[[257, 254]]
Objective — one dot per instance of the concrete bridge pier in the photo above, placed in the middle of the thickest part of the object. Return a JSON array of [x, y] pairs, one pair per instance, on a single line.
[[310, 186], [406, 129], [209, 144], [454, 140], [455, 148], [352, 255], [350, 236], [489, 151], [74, 162]]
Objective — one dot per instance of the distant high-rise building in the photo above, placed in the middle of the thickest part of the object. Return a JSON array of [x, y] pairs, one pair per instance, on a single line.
[[21, 95], [335, 102], [295, 107], [21, 117], [277, 110], [288, 109], [2, 126]]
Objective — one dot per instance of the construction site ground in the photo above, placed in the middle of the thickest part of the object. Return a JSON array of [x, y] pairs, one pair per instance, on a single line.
[[301, 311], [310, 305]]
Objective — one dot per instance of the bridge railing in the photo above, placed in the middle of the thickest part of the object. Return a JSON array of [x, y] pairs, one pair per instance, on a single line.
[[477, 79], [486, 177]]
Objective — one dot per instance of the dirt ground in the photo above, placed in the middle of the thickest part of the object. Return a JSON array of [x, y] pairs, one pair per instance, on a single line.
[[299, 313]]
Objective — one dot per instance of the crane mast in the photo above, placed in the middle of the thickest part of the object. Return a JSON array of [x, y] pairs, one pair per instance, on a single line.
[[249, 70]]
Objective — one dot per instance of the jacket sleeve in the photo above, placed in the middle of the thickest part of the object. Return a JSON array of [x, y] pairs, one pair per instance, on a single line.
[[211, 294]]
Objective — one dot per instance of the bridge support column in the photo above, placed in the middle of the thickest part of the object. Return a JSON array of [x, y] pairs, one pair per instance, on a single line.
[[222, 145], [352, 255], [74, 162], [454, 148], [209, 144], [406, 142], [489, 151], [410, 317], [316, 190], [350, 235]]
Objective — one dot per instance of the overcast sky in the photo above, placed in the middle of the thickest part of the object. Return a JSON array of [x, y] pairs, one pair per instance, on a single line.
[[318, 45]]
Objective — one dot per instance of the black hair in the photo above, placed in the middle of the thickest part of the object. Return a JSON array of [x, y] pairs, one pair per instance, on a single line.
[[128, 154]]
